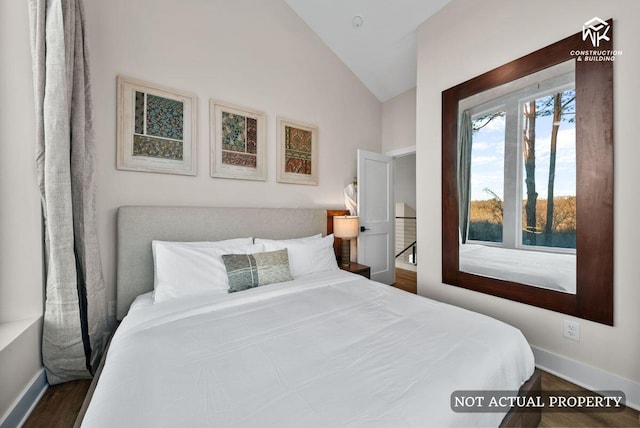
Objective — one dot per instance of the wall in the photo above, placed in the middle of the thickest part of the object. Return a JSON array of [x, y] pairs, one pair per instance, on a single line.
[[399, 121], [405, 179], [20, 230], [472, 49], [20, 225], [254, 53]]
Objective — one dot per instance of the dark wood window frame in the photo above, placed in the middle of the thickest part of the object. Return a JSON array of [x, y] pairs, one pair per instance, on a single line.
[[594, 169]]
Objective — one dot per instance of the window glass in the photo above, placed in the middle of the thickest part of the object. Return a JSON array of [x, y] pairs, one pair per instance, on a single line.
[[487, 177], [549, 170]]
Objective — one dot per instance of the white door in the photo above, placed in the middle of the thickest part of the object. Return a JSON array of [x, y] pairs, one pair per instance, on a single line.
[[377, 217]]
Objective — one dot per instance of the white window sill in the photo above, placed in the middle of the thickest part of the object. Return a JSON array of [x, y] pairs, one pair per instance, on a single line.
[[10, 331]]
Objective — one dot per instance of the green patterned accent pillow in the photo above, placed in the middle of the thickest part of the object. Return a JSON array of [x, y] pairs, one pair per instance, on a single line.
[[253, 270]]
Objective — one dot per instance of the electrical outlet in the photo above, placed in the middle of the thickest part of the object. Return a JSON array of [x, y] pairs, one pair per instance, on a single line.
[[571, 330]]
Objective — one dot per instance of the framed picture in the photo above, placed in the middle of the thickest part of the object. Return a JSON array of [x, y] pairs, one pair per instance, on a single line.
[[238, 142], [297, 152], [156, 128]]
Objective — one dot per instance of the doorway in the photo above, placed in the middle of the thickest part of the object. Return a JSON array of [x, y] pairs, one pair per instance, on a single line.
[[385, 216], [406, 248]]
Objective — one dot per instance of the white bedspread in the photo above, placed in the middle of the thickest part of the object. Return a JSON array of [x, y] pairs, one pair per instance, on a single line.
[[329, 350], [547, 270]]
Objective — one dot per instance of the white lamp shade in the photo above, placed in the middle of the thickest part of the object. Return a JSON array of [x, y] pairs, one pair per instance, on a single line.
[[345, 226]]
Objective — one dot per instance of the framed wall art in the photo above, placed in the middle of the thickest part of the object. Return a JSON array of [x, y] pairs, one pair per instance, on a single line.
[[297, 152], [238, 142], [156, 128]]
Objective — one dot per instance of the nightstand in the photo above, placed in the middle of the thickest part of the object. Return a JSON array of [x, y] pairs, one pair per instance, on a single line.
[[358, 269]]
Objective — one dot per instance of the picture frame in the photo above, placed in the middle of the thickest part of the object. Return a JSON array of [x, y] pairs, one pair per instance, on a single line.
[[297, 152], [156, 128], [238, 142]]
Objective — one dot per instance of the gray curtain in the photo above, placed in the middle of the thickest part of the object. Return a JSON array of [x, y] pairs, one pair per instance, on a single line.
[[464, 173], [75, 320]]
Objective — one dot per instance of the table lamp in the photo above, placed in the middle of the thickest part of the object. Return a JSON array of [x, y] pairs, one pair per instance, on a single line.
[[346, 228]]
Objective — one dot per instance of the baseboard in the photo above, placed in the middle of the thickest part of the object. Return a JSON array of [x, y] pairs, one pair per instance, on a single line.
[[586, 376], [24, 404]]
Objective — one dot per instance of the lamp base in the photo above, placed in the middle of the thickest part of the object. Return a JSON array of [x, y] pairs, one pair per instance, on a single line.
[[345, 256]]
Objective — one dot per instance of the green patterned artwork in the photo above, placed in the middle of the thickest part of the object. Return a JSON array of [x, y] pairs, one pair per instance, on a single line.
[[156, 128], [156, 148], [239, 144], [164, 117], [158, 124], [239, 140]]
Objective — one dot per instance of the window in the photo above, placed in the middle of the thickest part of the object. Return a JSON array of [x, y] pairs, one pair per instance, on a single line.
[[522, 186], [487, 177], [549, 165]]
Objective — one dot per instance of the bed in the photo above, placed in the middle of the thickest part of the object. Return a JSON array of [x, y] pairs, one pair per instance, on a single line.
[[555, 271], [325, 349]]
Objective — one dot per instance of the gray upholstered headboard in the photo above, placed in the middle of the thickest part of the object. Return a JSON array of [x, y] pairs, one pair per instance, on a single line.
[[138, 226]]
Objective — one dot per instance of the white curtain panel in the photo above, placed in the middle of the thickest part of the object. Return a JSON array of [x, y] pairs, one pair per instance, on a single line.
[[75, 312], [464, 173]]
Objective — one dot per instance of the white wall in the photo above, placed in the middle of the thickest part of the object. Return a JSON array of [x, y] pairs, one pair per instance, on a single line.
[[20, 231], [405, 180], [399, 132], [467, 38], [254, 53], [399, 121]]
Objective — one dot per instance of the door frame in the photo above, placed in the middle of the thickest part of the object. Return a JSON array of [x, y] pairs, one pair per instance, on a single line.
[[394, 154], [399, 153]]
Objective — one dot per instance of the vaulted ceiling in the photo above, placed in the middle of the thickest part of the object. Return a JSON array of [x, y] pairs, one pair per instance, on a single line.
[[376, 39]]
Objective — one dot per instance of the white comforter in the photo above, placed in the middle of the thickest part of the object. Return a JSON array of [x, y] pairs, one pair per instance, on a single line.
[[328, 350], [541, 269]]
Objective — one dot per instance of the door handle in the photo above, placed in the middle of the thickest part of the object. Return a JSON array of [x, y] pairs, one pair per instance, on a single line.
[[362, 228]]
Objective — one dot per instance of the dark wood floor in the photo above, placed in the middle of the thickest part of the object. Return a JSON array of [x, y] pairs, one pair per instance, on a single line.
[[61, 403], [627, 418], [406, 280]]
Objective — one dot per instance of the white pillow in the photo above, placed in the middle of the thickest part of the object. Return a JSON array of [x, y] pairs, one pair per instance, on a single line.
[[227, 243], [188, 270], [306, 238], [306, 255]]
